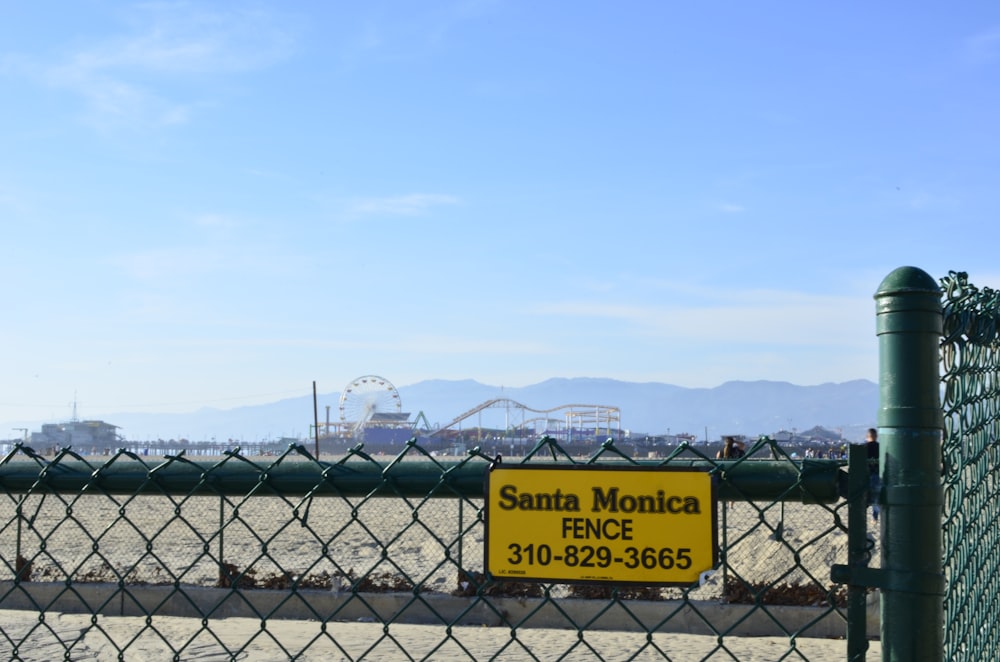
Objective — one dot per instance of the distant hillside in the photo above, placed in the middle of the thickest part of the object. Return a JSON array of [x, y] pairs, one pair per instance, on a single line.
[[751, 408]]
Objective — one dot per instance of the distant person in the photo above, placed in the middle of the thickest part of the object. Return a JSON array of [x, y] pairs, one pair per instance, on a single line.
[[874, 481], [731, 450]]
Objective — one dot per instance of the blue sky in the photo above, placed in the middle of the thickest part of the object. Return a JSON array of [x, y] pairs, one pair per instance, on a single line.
[[214, 204]]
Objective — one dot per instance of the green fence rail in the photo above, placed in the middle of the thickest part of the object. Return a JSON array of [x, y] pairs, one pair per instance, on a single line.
[[158, 556]]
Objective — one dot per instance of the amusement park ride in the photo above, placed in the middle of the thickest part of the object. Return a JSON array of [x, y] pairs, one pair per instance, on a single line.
[[370, 408]]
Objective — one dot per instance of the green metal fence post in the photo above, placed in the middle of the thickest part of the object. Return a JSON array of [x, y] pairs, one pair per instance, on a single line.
[[858, 551], [223, 572], [17, 553], [725, 544], [910, 421]]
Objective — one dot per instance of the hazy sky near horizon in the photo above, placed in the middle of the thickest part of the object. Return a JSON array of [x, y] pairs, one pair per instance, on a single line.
[[217, 203]]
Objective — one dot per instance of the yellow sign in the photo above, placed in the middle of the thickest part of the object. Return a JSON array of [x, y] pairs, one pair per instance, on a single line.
[[581, 523]]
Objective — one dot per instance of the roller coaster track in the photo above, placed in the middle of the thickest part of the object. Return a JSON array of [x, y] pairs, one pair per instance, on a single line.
[[498, 403]]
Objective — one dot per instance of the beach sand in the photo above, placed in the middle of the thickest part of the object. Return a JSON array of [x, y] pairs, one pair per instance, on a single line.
[[303, 640]]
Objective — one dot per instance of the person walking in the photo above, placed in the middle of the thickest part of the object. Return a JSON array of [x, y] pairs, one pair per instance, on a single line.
[[874, 480]]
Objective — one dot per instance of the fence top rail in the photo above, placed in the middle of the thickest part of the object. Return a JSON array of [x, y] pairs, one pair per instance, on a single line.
[[296, 473]]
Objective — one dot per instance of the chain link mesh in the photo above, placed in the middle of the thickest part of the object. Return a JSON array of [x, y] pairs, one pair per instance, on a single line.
[[970, 352], [133, 546]]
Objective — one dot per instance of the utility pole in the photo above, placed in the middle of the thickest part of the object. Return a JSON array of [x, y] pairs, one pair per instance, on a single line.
[[316, 419]]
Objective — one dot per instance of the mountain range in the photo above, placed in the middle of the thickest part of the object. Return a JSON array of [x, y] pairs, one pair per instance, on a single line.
[[737, 407]]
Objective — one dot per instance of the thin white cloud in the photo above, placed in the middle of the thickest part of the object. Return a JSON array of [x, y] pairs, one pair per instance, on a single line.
[[226, 248], [217, 221], [423, 345], [730, 208], [450, 345], [475, 347], [414, 204], [983, 47], [208, 249], [118, 78], [10, 200], [169, 264], [927, 201], [770, 317], [409, 31], [189, 39], [113, 101]]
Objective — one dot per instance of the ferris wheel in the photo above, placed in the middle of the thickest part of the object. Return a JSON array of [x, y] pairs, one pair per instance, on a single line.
[[366, 396]]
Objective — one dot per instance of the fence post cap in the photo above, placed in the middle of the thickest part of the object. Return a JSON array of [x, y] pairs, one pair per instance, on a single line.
[[907, 279]]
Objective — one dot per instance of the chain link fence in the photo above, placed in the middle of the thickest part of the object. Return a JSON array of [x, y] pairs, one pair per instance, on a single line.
[[314, 548], [970, 353]]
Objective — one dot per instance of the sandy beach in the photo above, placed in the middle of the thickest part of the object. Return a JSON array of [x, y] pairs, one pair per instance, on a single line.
[[186, 639]]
